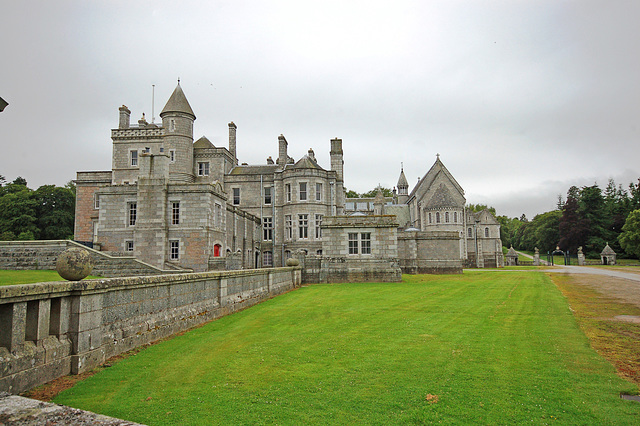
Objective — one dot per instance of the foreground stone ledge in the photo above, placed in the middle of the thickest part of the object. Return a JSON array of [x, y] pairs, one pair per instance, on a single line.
[[16, 410]]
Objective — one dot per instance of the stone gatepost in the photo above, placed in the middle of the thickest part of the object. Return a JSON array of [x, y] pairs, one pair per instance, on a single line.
[[536, 257], [581, 258]]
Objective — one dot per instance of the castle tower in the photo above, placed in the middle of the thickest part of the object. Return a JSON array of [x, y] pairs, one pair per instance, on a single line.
[[403, 187], [177, 120]]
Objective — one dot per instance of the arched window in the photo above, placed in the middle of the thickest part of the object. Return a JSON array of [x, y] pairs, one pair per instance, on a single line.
[[455, 217], [216, 250], [446, 217], [437, 217], [486, 232], [429, 217], [469, 233]]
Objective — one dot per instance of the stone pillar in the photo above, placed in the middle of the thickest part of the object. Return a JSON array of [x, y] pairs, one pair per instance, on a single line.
[[536, 257], [37, 322], [13, 318], [282, 151], [581, 258], [85, 331]]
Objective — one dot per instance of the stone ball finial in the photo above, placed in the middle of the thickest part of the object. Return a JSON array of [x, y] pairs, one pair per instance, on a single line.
[[292, 261], [74, 264]]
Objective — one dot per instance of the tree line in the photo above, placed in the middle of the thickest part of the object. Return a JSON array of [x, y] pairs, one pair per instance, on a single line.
[[46, 213], [589, 217]]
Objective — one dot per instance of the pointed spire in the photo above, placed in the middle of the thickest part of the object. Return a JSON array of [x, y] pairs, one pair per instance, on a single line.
[[178, 103]]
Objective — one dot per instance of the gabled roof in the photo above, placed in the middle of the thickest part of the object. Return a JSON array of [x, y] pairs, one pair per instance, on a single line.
[[178, 103], [306, 162], [203, 143], [608, 250], [431, 175], [441, 198], [512, 252]]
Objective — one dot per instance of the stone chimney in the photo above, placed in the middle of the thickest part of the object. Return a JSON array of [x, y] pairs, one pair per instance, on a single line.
[[269, 160], [311, 154], [282, 151], [337, 163], [125, 117], [232, 142]]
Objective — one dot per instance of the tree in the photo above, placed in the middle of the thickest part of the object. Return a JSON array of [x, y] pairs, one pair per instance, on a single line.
[[592, 208], [55, 207], [630, 237], [480, 207], [352, 194], [386, 192], [573, 228], [18, 212]]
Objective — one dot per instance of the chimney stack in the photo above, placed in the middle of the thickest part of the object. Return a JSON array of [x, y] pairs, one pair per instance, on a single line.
[[125, 117], [232, 142], [282, 151]]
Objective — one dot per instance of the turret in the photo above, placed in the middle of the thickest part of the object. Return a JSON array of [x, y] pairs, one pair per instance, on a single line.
[[177, 120], [403, 187]]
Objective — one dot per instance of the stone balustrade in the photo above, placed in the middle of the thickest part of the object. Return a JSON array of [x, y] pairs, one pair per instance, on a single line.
[[52, 329]]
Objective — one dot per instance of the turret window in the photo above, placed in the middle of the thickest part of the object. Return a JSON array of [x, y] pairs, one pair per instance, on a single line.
[[486, 232], [287, 190], [303, 191], [172, 155], [172, 125], [455, 217], [446, 217], [318, 192], [437, 217]]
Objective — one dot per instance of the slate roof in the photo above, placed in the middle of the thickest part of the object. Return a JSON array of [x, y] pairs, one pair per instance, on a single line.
[[402, 180], [437, 168], [441, 198], [306, 162], [178, 103], [608, 250], [254, 170], [512, 252], [203, 143]]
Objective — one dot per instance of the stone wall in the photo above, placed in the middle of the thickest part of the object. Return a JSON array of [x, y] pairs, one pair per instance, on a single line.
[[429, 252], [56, 328], [17, 255]]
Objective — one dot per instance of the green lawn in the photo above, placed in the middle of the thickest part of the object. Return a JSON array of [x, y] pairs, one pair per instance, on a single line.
[[28, 277], [482, 348]]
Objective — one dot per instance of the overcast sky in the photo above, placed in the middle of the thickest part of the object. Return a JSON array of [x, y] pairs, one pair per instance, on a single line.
[[521, 99]]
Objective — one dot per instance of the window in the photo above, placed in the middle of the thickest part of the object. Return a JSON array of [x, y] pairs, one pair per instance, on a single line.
[[303, 191], [172, 125], [267, 258], [287, 254], [437, 217], [303, 226], [218, 216], [96, 201], [133, 155], [288, 227], [172, 155], [287, 190], [469, 233], [236, 196], [429, 217], [486, 232], [318, 228], [446, 217], [128, 245], [132, 210], [175, 213], [353, 243], [267, 228], [174, 249], [455, 217], [318, 192], [267, 195], [203, 169], [365, 243], [319, 252]]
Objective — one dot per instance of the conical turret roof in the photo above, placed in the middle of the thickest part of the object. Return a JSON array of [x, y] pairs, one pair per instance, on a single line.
[[402, 180], [178, 103]]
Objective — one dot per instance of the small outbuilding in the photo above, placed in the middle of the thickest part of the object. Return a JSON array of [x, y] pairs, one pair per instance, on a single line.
[[608, 256], [512, 257]]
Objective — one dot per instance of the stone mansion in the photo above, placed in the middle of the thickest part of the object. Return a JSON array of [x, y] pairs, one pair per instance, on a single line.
[[178, 204]]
